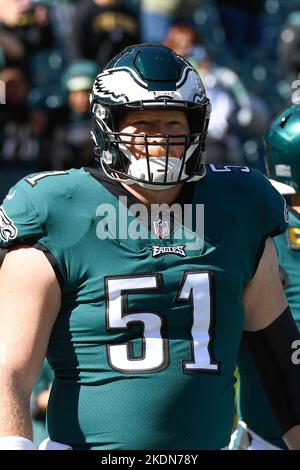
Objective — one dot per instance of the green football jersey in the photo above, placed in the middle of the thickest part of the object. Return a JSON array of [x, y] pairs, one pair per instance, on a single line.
[[145, 345], [253, 407]]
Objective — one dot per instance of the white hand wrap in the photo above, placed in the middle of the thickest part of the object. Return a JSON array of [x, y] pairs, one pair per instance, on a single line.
[[47, 444], [15, 443]]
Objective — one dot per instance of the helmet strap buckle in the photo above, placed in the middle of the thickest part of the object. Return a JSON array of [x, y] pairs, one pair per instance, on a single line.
[[107, 157]]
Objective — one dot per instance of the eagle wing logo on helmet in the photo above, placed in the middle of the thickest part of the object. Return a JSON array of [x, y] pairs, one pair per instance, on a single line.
[[186, 91], [8, 231], [112, 83]]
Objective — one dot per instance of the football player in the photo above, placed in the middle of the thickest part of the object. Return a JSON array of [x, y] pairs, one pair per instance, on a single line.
[[138, 277], [259, 430]]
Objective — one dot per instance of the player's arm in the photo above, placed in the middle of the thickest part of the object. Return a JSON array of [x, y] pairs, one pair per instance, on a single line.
[[270, 331], [30, 300]]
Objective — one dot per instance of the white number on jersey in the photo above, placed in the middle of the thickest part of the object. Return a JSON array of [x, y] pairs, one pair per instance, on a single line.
[[195, 288]]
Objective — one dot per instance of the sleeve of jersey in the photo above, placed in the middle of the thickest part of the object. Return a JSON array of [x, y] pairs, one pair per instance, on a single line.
[[19, 221], [24, 220], [277, 217]]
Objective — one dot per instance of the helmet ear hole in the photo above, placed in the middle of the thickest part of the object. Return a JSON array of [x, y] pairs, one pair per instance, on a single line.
[[284, 121]]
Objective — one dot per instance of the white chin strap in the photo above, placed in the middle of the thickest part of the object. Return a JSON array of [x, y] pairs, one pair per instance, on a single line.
[[157, 165]]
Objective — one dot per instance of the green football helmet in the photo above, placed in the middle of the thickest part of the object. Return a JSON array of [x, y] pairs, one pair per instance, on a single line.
[[149, 76], [283, 151]]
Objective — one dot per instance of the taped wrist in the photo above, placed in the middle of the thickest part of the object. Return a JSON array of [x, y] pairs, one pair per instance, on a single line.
[[272, 352], [15, 443]]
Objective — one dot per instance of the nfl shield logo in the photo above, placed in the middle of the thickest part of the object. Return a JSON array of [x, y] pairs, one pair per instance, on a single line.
[[161, 228]]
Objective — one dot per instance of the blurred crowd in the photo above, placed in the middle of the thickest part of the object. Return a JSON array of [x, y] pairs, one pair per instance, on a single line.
[[247, 53]]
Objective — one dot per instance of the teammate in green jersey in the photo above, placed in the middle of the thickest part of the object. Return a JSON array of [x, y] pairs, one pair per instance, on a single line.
[[138, 278], [258, 429]]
